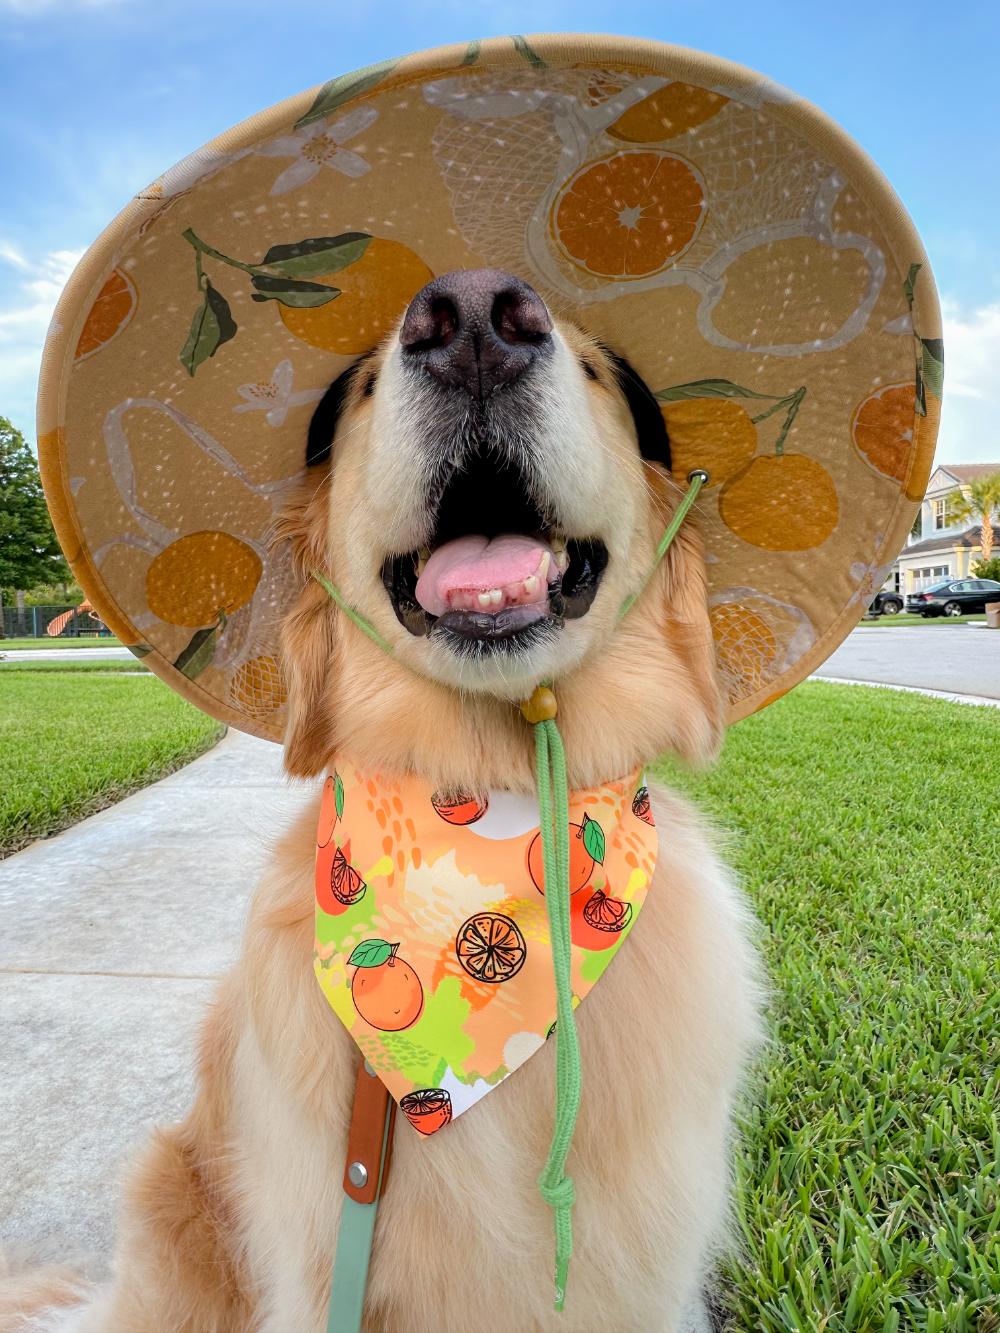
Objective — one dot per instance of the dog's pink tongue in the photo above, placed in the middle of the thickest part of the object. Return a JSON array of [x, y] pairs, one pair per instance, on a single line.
[[485, 574]]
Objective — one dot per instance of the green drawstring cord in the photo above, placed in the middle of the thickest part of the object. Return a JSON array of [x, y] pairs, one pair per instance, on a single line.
[[555, 1187], [696, 480], [365, 626]]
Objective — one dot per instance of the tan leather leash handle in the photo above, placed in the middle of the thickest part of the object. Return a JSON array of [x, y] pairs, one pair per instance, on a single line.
[[363, 1182]]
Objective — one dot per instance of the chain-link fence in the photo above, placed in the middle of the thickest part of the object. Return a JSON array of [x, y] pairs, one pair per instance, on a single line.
[[50, 622]]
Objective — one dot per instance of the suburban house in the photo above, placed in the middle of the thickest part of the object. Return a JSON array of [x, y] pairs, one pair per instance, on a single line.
[[934, 549]]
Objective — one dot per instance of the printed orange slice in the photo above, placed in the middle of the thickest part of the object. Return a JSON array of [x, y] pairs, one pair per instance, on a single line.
[[669, 111], [490, 947], [459, 808], [428, 1109], [109, 315], [629, 214]]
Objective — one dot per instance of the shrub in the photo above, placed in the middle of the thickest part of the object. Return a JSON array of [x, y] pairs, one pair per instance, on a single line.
[[987, 569]]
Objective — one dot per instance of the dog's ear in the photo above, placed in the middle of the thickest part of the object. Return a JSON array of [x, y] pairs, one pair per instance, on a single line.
[[308, 657], [323, 426], [308, 631], [650, 427]]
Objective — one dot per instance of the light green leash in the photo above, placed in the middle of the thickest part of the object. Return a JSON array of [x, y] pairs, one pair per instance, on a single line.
[[556, 1188], [354, 1249]]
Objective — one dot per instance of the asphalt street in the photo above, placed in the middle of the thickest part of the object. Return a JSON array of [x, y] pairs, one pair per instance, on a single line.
[[956, 659]]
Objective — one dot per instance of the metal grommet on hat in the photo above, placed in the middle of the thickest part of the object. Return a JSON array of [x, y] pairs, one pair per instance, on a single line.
[[741, 251]]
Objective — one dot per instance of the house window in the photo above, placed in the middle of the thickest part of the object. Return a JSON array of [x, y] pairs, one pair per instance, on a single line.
[[923, 578], [940, 518]]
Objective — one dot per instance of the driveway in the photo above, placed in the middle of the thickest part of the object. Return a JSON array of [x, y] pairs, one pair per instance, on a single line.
[[955, 659]]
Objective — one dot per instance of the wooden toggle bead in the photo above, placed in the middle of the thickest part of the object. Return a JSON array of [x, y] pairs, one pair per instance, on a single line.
[[541, 707]]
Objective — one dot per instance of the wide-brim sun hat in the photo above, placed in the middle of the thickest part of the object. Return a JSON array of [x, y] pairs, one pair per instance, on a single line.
[[744, 255]]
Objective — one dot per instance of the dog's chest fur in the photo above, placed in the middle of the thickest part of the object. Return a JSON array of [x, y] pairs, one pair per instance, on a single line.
[[463, 1238]]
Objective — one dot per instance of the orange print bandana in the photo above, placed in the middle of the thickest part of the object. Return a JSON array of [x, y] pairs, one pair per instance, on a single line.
[[432, 941]]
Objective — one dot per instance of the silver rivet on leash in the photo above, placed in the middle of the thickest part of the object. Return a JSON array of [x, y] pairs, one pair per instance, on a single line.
[[357, 1174]]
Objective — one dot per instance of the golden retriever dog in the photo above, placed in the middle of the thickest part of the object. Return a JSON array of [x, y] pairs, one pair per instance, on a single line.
[[484, 417]]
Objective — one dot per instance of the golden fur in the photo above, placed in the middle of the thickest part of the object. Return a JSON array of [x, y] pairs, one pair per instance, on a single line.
[[230, 1218]]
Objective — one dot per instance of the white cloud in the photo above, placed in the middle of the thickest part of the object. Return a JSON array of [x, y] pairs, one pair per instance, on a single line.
[[25, 312], [969, 429]]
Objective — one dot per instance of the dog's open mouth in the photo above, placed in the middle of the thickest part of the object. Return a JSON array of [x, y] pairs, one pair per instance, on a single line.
[[498, 572]]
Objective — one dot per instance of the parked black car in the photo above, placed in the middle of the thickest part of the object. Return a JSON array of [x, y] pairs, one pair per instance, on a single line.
[[886, 603], [957, 597]]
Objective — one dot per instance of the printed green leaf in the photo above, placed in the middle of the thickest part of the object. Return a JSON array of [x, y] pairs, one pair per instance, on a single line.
[[920, 394], [292, 292], [213, 325], [593, 839], [139, 649], [910, 282], [711, 389], [337, 91], [471, 53], [371, 953], [338, 794], [319, 254], [193, 659], [523, 49], [933, 364]]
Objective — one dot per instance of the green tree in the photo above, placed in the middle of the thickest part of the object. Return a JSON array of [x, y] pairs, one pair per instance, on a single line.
[[29, 552], [978, 504]]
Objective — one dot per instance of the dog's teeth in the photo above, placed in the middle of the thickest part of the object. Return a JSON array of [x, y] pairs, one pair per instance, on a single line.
[[485, 599], [530, 585], [558, 543], [562, 561], [542, 572], [423, 555], [496, 596]]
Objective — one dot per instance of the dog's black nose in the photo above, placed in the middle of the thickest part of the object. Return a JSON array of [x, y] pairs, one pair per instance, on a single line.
[[476, 329]]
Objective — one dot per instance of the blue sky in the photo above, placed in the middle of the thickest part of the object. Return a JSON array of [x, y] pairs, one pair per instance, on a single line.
[[99, 96]]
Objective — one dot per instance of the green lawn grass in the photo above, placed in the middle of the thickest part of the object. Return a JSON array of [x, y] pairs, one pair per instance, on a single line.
[[67, 667], [904, 618], [868, 1177], [72, 744], [91, 641]]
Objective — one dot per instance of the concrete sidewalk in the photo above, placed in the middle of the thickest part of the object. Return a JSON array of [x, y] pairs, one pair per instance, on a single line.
[[110, 937], [64, 654]]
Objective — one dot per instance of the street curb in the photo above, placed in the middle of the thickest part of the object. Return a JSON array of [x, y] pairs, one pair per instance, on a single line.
[[978, 699]]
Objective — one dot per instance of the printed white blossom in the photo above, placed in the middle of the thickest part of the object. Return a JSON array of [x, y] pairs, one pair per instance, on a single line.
[[276, 396], [318, 146]]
